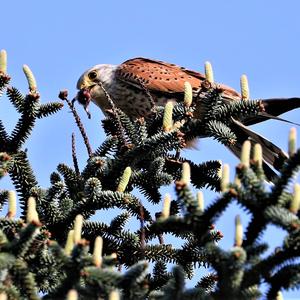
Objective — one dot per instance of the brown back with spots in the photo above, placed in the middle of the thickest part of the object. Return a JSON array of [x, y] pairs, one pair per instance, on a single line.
[[162, 77]]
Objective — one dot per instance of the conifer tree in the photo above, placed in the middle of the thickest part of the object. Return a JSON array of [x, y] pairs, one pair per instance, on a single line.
[[54, 250]]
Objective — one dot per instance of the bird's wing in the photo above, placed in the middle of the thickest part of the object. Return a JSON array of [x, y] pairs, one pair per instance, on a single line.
[[272, 154], [272, 108], [162, 77]]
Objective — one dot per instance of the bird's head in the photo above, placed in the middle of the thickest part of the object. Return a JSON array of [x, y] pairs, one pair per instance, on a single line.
[[91, 83]]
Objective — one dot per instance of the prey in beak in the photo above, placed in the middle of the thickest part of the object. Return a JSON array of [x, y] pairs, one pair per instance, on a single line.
[[84, 95], [84, 98]]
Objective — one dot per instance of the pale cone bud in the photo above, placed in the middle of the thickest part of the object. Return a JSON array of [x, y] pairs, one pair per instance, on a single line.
[[245, 154], [257, 155], [77, 228], [292, 141], [188, 94], [166, 207], [295, 203], [12, 204], [124, 180], [3, 61], [168, 117], [72, 295], [186, 173], [279, 296], [114, 295], [97, 253], [244, 87], [209, 72], [200, 201], [70, 242], [220, 170], [30, 78], [32, 215], [225, 179], [238, 232], [3, 296]]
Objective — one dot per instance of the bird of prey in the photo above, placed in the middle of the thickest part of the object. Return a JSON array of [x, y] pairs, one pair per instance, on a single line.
[[138, 84]]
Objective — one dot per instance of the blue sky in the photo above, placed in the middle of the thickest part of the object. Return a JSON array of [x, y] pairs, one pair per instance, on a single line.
[[61, 39]]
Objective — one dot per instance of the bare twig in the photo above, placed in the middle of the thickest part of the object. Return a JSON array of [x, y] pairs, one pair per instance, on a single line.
[[74, 156], [161, 239], [63, 95], [142, 231], [159, 235]]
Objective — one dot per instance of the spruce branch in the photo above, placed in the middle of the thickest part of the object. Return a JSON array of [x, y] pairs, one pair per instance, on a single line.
[[48, 109], [22, 176], [25, 123], [16, 98]]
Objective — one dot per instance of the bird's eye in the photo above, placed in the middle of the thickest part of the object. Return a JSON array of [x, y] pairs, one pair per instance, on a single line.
[[92, 75]]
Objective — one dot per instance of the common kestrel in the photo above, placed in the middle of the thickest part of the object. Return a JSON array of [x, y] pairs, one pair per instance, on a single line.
[[138, 84]]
